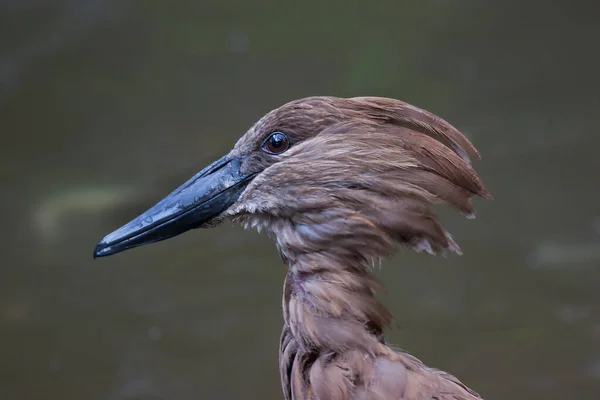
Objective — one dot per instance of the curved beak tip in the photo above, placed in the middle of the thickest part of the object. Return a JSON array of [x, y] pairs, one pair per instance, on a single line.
[[201, 198], [101, 250]]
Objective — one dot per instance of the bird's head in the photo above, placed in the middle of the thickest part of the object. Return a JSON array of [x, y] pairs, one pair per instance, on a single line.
[[352, 175]]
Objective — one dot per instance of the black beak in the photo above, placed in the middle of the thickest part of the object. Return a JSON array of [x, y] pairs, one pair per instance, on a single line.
[[203, 197]]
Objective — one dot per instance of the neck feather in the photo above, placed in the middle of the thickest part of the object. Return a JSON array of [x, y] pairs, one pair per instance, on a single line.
[[329, 303]]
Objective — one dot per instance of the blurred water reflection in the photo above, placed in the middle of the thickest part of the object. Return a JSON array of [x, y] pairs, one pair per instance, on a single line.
[[106, 105]]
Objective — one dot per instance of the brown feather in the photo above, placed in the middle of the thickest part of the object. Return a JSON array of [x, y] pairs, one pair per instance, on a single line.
[[359, 178]]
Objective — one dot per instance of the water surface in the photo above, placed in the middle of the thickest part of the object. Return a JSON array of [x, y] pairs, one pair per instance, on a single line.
[[105, 106]]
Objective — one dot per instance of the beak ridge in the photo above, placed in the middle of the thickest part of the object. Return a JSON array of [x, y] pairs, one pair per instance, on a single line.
[[203, 197]]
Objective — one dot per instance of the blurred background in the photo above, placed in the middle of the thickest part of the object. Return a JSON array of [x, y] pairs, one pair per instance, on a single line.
[[107, 105]]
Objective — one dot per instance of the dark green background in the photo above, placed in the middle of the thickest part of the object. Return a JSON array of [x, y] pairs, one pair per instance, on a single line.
[[106, 105]]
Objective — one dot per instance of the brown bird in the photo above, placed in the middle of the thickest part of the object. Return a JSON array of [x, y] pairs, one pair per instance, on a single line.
[[337, 183]]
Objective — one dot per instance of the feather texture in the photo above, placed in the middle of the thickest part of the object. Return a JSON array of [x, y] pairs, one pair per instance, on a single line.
[[359, 178]]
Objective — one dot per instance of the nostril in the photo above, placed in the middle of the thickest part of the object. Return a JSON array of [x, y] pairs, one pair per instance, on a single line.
[[217, 165]]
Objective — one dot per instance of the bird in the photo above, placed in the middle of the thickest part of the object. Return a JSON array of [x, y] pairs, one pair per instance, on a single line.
[[338, 184]]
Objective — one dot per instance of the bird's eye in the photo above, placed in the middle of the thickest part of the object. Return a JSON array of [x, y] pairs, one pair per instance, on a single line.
[[276, 143]]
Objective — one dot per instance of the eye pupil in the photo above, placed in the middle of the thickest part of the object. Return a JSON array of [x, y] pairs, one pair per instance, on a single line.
[[276, 143]]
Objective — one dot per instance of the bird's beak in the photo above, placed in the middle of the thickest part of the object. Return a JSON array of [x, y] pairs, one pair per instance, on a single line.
[[203, 197]]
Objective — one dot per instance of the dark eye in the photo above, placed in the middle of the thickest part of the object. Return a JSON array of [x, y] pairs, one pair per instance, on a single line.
[[276, 143]]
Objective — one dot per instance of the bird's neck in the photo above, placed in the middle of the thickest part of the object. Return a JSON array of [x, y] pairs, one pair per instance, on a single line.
[[329, 303]]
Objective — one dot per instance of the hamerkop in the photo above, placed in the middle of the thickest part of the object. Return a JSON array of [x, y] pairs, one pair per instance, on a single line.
[[337, 183]]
